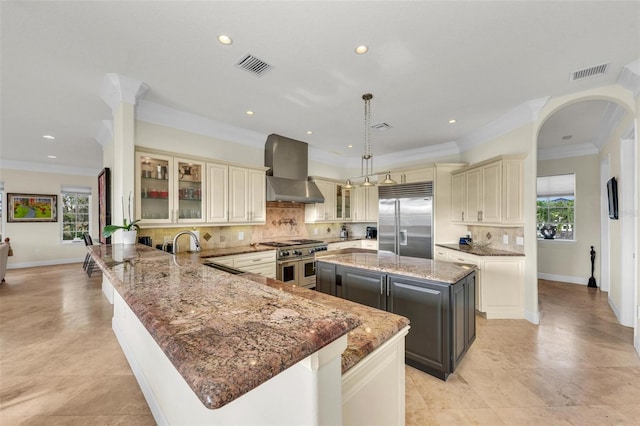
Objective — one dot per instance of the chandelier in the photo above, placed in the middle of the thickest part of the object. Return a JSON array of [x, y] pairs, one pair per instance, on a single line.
[[366, 166]]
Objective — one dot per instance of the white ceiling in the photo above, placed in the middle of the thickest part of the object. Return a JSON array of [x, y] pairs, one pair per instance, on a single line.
[[428, 62]]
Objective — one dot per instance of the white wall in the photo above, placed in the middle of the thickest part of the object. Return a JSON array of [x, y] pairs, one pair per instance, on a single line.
[[571, 261], [36, 244]]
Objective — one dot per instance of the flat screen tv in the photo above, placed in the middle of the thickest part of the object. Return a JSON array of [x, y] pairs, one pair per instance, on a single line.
[[612, 195]]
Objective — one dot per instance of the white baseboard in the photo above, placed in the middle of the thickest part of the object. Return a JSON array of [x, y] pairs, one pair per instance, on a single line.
[[563, 278], [44, 263], [532, 317]]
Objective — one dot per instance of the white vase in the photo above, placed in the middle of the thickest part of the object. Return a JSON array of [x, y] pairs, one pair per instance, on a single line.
[[129, 237]]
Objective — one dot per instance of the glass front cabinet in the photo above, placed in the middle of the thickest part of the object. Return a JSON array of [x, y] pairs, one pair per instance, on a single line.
[[169, 189]]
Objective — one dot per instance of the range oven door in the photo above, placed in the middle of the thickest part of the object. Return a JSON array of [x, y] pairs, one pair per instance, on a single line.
[[308, 273], [288, 271]]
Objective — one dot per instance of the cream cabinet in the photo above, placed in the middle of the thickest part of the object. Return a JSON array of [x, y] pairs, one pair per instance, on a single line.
[[247, 195], [217, 193], [344, 245], [344, 203], [369, 244], [169, 189], [262, 263], [499, 282], [323, 212], [489, 192], [365, 204]]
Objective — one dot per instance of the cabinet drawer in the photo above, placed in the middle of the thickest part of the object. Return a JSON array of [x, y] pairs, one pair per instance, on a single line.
[[223, 260], [244, 260], [369, 244], [267, 270]]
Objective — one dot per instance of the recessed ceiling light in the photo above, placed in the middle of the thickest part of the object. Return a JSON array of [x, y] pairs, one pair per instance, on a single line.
[[225, 39], [350, 146], [309, 132], [52, 156], [48, 137], [362, 49], [452, 121], [250, 112]]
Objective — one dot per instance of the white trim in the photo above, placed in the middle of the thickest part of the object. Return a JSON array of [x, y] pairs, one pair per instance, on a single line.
[[152, 112], [514, 119], [629, 77], [567, 151], [532, 317], [605, 227], [117, 89], [412, 155], [563, 278], [614, 308], [44, 263], [48, 168]]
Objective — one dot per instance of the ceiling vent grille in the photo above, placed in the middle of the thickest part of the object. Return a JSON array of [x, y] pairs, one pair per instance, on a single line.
[[381, 126], [255, 66], [589, 72]]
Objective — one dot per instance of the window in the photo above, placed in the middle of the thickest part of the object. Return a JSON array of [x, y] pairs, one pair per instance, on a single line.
[[556, 207], [76, 212]]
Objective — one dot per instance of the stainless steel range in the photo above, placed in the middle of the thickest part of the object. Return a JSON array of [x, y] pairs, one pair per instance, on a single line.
[[296, 260]]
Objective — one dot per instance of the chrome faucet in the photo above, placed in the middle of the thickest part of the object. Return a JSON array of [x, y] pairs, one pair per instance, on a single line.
[[175, 241]]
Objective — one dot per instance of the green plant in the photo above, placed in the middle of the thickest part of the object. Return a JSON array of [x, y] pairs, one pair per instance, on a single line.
[[129, 225]]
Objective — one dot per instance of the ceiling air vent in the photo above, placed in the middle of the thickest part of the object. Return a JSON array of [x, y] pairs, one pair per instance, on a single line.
[[255, 66], [381, 126], [589, 72]]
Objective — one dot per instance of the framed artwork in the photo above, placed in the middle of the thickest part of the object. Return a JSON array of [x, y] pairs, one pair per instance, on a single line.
[[104, 203], [32, 208]]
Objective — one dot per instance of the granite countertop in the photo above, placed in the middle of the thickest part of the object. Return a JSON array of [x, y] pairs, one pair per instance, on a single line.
[[376, 328], [435, 270], [225, 334], [479, 251], [341, 240]]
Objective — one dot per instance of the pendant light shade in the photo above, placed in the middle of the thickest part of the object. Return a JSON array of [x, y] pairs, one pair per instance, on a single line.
[[387, 180], [367, 182], [348, 185]]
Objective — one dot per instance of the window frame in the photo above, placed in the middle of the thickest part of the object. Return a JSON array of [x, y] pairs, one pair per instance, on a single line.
[[67, 193], [566, 196]]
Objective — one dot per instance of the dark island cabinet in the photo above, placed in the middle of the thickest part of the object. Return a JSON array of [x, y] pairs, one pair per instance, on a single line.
[[442, 315]]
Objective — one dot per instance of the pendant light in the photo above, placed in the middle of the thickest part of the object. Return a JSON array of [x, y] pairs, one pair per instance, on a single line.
[[348, 185], [387, 180], [367, 159]]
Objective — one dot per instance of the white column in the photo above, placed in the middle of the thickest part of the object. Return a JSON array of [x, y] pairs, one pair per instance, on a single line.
[[121, 93]]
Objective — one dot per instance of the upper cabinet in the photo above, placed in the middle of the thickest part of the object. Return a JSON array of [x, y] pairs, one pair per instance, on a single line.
[[344, 199], [489, 192], [365, 204], [327, 211], [169, 189], [175, 190]]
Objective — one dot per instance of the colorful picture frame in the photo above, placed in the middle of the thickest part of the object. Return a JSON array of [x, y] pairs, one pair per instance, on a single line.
[[104, 203], [32, 208]]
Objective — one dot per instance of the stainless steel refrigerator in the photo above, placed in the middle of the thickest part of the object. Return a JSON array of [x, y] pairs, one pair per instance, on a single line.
[[405, 223]]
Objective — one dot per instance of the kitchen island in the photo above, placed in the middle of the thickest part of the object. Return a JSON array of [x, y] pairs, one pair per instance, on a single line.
[[437, 297], [235, 349]]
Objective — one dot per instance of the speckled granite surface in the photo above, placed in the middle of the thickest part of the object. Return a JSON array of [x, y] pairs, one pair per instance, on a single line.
[[376, 328], [435, 270], [479, 251], [225, 334]]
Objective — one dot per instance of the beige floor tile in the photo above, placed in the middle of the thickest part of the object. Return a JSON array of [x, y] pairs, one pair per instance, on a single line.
[[468, 416]]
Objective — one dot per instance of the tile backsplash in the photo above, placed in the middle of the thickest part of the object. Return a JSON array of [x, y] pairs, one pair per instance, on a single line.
[[284, 221], [482, 233]]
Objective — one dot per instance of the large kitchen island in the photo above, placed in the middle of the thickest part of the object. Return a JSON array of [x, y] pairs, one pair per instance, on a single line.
[[438, 298], [208, 347]]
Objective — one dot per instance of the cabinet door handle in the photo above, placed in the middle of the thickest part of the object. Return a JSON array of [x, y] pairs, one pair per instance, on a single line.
[[388, 287], [462, 216], [382, 285]]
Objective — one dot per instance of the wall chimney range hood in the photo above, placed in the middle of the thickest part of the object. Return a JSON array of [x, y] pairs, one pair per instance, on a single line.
[[287, 177]]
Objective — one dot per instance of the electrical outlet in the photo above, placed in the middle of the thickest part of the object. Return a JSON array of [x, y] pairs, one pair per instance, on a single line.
[[315, 231], [505, 239], [520, 241], [240, 236]]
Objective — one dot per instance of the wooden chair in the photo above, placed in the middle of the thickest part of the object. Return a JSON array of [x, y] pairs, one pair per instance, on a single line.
[[89, 264]]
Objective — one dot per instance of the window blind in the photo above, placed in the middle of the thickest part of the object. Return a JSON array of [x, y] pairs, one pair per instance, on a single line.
[[549, 186], [70, 189]]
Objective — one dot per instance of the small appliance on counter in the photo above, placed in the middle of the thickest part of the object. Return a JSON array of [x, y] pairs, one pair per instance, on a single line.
[[344, 233], [465, 241], [371, 233]]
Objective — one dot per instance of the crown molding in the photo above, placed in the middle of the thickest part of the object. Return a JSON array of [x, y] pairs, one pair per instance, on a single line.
[[567, 151], [512, 120], [48, 168], [629, 77], [610, 120], [152, 112], [118, 89], [424, 153]]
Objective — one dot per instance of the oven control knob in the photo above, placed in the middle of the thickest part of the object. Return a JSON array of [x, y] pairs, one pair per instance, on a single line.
[[284, 253], [297, 252]]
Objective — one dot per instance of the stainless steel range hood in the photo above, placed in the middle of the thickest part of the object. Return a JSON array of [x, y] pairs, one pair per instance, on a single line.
[[287, 177]]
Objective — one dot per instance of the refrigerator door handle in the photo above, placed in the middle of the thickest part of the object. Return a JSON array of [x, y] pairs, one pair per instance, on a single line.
[[403, 237], [397, 227]]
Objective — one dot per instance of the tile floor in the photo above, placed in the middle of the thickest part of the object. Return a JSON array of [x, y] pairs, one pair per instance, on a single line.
[[60, 364]]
